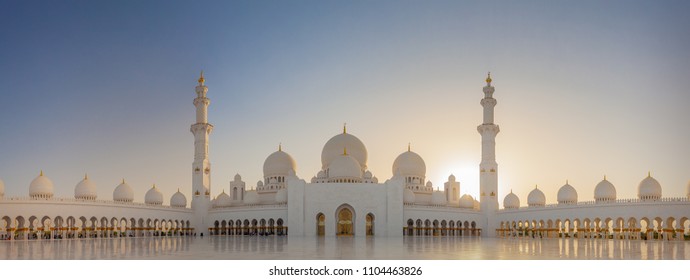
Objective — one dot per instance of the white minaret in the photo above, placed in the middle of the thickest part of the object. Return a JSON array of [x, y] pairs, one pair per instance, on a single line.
[[201, 167], [488, 168]]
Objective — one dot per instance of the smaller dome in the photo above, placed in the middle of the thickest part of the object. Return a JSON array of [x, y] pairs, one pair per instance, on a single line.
[[260, 183], [438, 198], [536, 198], [408, 196], [451, 178], [429, 184], [238, 177], [344, 166], [178, 200], [409, 164], [281, 196], [375, 180], [123, 193], [85, 189], [2, 188], [153, 196], [604, 191], [567, 194], [321, 174], [223, 200], [279, 163], [41, 187], [649, 189], [511, 201], [367, 174], [466, 201], [251, 197]]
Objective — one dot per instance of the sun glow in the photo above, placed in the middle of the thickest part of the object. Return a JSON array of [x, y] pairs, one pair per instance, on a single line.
[[467, 173]]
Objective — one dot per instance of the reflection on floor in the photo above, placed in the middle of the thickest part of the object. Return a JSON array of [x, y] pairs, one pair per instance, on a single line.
[[347, 247]]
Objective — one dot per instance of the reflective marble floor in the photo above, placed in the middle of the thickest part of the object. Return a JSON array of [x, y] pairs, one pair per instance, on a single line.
[[274, 247]]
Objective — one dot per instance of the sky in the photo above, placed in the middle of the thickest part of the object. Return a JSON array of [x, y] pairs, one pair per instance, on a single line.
[[584, 89]]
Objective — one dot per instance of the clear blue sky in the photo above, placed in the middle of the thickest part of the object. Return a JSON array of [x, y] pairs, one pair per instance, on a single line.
[[584, 89]]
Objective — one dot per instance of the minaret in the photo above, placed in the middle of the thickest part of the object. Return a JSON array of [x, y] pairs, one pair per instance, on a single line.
[[488, 168], [201, 167]]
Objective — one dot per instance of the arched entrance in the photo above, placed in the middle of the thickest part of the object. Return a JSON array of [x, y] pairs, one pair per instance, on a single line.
[[345, 221], [370, 224], [320, 224]]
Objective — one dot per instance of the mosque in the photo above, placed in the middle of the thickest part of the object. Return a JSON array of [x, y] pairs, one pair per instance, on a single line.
[[343, 198]]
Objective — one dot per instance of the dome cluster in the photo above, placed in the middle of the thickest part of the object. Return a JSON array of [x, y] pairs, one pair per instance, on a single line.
[[649, 189], [334, 148], [344, 160], [42, 188]]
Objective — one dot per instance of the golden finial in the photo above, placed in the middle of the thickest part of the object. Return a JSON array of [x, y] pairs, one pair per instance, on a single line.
[[604, 177], [344, 151], [41, 173], [280, 147], [408, 146], [536, 187], [488, 78], [649, 173], [201, 77], [511, 190], [566, 182], [154, 186], [86, 176], [344, 128], [123, 180]]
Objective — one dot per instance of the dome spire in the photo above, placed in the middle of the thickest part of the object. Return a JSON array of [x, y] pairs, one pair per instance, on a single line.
[[123, 180], [488, 78], [344, 128], [408, 146], [344, 151], [41, 173], [280, 147], [201, 78], [86, 176], [604, 177], [649, 173]]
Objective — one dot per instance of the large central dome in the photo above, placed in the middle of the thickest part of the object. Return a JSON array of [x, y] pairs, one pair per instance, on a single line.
[[334, 148]]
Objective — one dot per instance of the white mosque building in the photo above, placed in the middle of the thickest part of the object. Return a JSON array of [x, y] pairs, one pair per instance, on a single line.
[[343, 198]]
